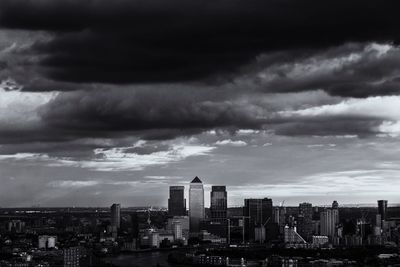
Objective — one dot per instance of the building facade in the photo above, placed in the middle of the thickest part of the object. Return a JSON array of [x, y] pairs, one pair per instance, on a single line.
[[329, 218], [72, 256], [382, 209], [304, 221], [176, 201], [196, 205], [257, 213], [116, 216], [218, 203]]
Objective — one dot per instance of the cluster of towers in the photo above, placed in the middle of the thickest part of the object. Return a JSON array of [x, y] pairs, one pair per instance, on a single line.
[[177, 203], [257, 221]]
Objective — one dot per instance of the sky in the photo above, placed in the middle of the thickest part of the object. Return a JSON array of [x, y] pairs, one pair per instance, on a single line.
[[107, 102]]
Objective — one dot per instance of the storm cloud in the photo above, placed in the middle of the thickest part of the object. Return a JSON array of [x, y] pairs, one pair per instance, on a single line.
[[170, 41], [116, 98]]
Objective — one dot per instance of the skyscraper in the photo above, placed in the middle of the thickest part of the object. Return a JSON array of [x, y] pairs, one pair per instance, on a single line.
[[328, 222], [382, 209], [196, 204], [218, 201], [116, 216], [177, 201], [257, 213], [306, 210], [335, 205], [304, 221]]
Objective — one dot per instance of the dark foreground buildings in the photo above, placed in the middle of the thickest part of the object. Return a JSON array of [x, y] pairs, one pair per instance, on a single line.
[[257, 217]]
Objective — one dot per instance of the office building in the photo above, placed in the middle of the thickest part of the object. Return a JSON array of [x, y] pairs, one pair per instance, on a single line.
[[180, 227], [382, 209], [217, 224], [257, 213], [196, 204], [47, 242], [304, 221], [176, 201], [218, 202], [280, 218], [16, 226], [319, 240], [177, 230], [328, 222], [115, 216], [149, 238], [72, 256]]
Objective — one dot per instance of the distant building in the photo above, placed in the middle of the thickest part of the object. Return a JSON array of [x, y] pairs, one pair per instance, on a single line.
[[335, 205], [149, 238], [116, 215], [182, 220], [47, 242], [196, 204], [292, 237], [177, 201], [319, 240], [165, 238], [280, 218], [382, 209], [218, 227], [219, 198], [259, 234], [129, 245], [72, 256], [178, 235], [304, 221], [16, 226], [257, 213], [208, 260], [328, 221], [208, 237]]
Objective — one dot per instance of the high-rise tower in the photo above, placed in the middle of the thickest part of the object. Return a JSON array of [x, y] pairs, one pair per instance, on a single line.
[[196, 204], [257, 213], [177, 201], [219, 198], [116, 215], [329, 220], [304, 221], [382, 209]]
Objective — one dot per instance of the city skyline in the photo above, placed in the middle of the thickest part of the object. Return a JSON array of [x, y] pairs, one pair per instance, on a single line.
[[112, 101], [207, 190], [199, 133]]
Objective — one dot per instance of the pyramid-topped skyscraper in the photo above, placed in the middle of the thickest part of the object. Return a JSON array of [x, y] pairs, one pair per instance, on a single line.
[[196, 204], [196, 180]]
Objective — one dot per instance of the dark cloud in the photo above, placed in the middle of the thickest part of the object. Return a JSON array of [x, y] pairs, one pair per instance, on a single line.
[[157, 41], [330, 126], [147, 149], [351, 70], [159, 112]]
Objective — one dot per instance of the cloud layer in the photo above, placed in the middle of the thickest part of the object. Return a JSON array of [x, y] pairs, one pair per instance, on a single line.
[[155, 41], [228, 89]]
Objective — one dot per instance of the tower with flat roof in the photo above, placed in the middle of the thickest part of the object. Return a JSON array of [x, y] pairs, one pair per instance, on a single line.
[[219, 199], [177, 201], [116, 216], [382, 209]]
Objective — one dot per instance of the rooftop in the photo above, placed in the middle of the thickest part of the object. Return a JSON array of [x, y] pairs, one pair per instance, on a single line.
[[196, 180]]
